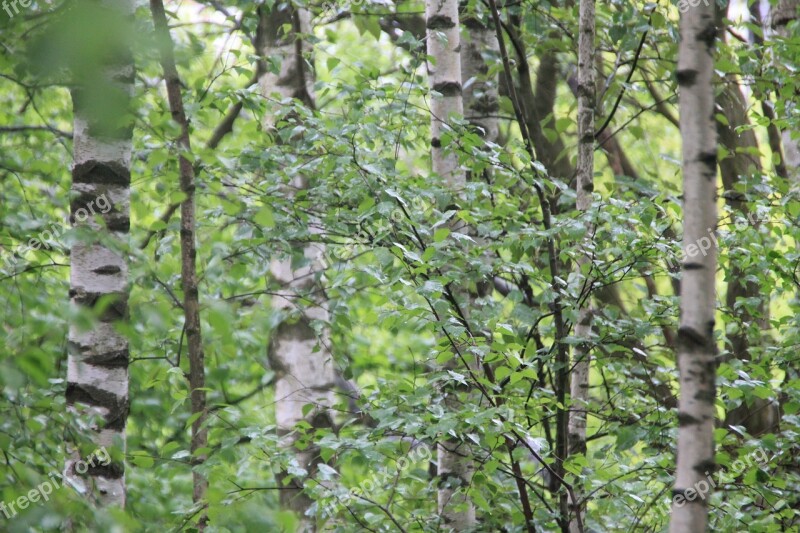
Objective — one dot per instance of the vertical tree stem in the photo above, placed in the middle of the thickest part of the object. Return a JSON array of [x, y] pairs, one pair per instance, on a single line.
[[191, 300], [696, 344], [579, 387]]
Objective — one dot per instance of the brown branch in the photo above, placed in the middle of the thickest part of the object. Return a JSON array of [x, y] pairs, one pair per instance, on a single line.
[[226, 126], [24, 129], [191, 303]]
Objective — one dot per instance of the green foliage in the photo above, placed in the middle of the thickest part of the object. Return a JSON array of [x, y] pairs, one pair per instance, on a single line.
[[394, 265]]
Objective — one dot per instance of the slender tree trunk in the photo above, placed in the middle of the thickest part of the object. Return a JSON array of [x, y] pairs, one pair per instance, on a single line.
[[609, 295], [97, 367], [455, 467], [189, 284], [579, 387], [301, 358], [697, 349]]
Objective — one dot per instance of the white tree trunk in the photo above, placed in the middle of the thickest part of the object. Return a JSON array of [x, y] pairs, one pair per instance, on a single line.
[[97, 364], [696, 346], [455, 466], [579, 386], [444, 43], [300, 357]]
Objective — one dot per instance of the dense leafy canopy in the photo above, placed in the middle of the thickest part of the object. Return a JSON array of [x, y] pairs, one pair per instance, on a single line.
[[393, 268]]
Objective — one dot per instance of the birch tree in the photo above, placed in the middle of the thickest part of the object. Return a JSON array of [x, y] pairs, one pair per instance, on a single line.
[[696, 346], [494, 378], [579, 386], [97, 366], [444, 74], [299, 355]]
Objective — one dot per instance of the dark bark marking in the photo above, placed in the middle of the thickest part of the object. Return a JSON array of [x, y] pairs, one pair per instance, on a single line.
[[448, 88], [115, 359], [706, 395], [686, 77], [116, 310], [710, 328], [298, 329], [440, 22], [691, 338], [102, 172], [321, 418], [121, 223], [117, 406], [685, 419], [112, 359], [709, 159], [708, 34], [107, 270], [682, 492], [782, 20], [485, 105], [114, 219], [473, 23], [110, 471], [446, 477], [705, 467], [588, 138]]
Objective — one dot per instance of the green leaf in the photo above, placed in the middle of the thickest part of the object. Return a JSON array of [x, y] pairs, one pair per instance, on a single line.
[[142, 460], [264, 217]]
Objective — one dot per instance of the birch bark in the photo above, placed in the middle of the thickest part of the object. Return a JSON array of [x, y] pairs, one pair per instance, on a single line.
[[696, 346], [298, 353], [97, 361], [455, 467], [579, 386]]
